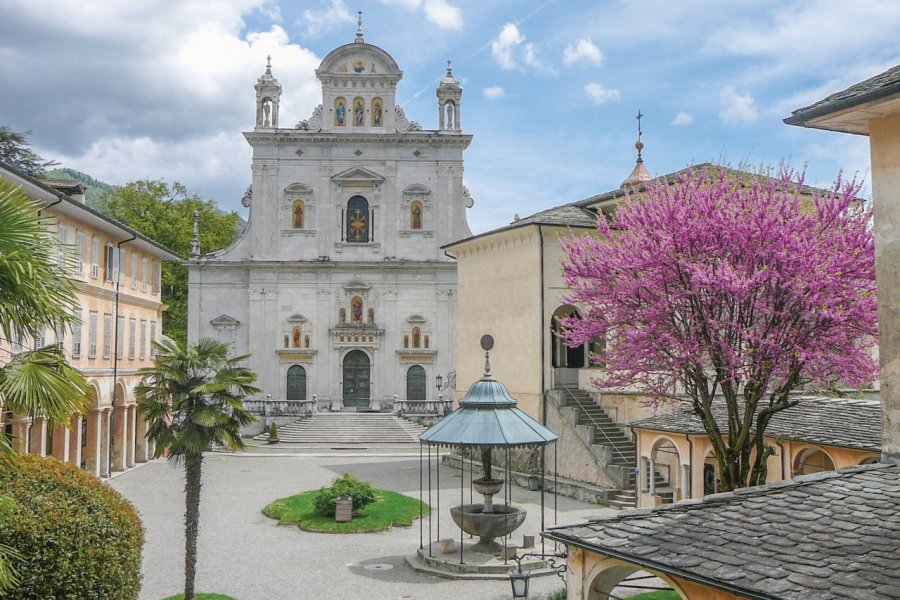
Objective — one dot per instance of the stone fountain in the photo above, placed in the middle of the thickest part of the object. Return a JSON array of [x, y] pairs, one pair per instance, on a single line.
[[487, 419]]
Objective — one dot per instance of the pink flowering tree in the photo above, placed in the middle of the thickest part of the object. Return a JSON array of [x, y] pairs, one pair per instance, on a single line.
[[720, 285]]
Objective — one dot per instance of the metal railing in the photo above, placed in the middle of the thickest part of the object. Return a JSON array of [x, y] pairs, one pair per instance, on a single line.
[[597, 426]]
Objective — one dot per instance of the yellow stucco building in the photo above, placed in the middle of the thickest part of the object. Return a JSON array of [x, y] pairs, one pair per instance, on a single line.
[[117, 278]]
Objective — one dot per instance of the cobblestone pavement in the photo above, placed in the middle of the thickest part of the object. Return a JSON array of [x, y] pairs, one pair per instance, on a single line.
[[246, 555]]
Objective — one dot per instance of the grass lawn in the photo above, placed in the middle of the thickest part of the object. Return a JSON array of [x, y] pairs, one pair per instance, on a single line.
[[199, 596], [389, 510], [659, 595]]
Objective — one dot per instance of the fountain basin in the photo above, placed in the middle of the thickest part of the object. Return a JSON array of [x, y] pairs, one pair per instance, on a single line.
[[472, 519]]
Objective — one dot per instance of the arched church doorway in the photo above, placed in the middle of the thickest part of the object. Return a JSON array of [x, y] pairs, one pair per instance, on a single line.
[[415, 383], [296, 383], [356, 384]]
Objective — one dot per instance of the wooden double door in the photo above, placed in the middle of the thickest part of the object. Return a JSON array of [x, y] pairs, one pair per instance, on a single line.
[[357, 382]]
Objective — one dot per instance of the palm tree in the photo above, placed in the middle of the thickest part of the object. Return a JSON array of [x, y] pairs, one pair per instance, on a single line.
[[192, 400], [35, 294]]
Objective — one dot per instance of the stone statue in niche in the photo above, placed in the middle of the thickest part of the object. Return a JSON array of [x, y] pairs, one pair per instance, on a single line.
[[267, 113], [342, 316], [416, 216], [340, 112], [370, 320], [377, 113], [359, 109], [306, 341], [356, 308]]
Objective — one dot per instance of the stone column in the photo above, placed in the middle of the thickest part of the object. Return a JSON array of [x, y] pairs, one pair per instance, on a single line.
[[94, 447], [38, 441], [652, 475], [132, 434], [884, 140], [685, 482], [61, 443], [20, 434], [105, 433], [140, 440], [75, 440], [120, 440]]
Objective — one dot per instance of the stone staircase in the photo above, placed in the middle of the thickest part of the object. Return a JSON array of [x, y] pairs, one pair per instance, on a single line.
[[348, 428], [618, 446]]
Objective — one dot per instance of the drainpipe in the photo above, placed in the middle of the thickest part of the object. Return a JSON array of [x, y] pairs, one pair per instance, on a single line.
[[690, 483], [115, 349], [543, 333], [781, 446]]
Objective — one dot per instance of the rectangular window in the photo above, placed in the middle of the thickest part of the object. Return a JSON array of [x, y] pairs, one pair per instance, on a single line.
[[107, 336], [120, 340], [79, 251], [63, 245], [144, 274], [60, 335], [143, 351], [111, 263], [134, 268], [132, 326], [156, 277], [95, 257], [92, 334], [76, 333], [152, 339], [40, 339]]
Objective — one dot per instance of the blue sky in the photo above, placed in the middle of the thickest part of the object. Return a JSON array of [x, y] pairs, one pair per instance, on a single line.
[[125, 90]]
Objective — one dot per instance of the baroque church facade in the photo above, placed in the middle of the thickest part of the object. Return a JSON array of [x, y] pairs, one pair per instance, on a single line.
[[338, 289]]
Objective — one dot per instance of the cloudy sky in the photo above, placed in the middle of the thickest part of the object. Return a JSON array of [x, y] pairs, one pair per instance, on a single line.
[[163, 89]]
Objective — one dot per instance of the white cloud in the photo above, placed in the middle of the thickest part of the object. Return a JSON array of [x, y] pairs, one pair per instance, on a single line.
[[600, 94], [736, 108], [440, 12], [503, 48], [319, 22], [682, 118], [443, 14], [583, 51], [494, 91]]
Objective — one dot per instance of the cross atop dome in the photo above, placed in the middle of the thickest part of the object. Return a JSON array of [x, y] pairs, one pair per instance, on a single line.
[[359, 33]]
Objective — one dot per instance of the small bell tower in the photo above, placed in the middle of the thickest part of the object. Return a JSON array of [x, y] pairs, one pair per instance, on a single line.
[[449, 95], [268, 95]]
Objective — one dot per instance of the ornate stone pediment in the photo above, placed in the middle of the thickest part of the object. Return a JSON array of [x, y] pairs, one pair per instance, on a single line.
[[357, 176], [416, 188], [298, 188], [296, 318], [224, 321], [416, 319]]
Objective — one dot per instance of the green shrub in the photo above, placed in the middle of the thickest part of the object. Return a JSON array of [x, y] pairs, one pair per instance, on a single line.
[[345, 485], [77, 537], [273, 433]]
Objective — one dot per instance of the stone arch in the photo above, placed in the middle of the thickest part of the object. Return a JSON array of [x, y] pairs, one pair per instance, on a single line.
[[416, 388], [812, 459], [295, 384], [564, 356], [297, 215], [601, 580], [870, 460], [665, 456]]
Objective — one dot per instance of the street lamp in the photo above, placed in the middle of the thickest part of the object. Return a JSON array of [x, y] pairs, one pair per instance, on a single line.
[[519, 582]]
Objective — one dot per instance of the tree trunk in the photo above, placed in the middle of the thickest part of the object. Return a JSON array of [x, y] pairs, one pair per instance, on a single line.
[[192, 464]]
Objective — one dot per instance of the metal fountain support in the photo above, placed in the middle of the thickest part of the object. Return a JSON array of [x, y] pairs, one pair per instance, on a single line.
[[486, 422]]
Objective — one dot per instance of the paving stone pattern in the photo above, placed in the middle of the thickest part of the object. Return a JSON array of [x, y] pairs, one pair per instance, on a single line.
[[823, 536], [845, 422]]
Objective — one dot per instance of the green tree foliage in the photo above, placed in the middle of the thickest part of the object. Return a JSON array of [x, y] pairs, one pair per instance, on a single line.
[[192, 400], [346, 485], [75, 536], [14, 151], [165, 213]]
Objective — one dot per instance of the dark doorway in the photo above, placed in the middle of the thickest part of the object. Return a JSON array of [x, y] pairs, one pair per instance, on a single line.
[[357, 371], [415, 383], [296, 383]]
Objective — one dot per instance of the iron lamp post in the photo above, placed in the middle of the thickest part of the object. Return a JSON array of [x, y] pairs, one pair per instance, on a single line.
[[519, 582]]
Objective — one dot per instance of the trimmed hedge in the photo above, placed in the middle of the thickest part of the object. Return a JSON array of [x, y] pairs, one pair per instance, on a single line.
[[345, 485], [78, 538]]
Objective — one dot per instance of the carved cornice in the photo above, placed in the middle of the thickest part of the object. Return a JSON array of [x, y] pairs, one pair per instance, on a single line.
[[299, 136]]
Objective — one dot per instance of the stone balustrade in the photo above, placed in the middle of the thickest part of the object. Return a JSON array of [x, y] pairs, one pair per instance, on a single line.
[[281, 408], [437, 408]]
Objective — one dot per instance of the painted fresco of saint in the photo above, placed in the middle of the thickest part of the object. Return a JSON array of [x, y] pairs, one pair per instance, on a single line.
[[376, 113], [359, 110], [340, 112]]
